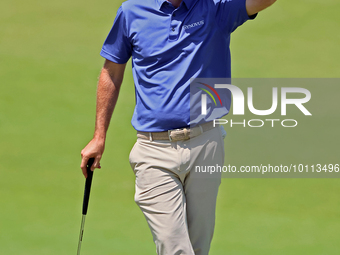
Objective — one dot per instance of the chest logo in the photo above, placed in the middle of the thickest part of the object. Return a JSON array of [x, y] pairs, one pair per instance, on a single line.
[[195, 24]]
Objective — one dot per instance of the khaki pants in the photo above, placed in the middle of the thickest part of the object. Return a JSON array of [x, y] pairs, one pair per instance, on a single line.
[[178, 204]]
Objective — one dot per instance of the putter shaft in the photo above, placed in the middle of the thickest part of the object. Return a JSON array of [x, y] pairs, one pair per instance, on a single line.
[[81, 233], [87, 190]]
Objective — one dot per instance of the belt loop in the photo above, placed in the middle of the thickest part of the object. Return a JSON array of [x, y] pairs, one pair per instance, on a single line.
[[150, 137], [201, 129], [169, 135]]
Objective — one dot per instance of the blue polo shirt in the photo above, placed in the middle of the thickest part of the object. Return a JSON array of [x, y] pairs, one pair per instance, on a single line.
[[169, 46]]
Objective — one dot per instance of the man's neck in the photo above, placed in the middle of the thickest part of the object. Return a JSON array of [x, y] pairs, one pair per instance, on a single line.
[[175, 3]]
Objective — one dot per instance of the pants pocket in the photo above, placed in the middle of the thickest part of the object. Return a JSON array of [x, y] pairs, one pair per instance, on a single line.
[[132, 156]]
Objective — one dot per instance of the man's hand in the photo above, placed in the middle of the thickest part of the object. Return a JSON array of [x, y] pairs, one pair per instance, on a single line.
[[94, 149], [255, 6]]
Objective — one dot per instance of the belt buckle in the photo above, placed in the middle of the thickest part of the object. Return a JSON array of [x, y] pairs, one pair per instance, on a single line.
[[185, 130], [170, 130]]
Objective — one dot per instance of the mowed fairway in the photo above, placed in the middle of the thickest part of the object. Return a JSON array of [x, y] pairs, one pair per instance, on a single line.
[[49, 64]]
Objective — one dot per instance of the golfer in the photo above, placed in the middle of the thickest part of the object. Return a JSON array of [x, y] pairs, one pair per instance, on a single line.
[[170, 42]]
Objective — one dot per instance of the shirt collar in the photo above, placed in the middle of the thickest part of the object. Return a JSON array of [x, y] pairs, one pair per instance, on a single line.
[[160, 3], [188, 3]]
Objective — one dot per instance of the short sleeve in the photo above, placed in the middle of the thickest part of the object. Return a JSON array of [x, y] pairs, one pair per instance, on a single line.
[[117, 47], [232, 14]]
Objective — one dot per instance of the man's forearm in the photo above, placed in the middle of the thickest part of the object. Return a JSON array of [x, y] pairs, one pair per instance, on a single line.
[[109, 84], [107, 95], [110, 80], [255, 6]]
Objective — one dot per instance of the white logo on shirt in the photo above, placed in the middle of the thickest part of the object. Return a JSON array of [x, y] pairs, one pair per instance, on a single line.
[[196, 24]]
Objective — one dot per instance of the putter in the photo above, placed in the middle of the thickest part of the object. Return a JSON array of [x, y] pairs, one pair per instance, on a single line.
[[87, 190]]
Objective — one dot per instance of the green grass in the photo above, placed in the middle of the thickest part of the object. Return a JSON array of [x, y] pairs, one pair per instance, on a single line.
[[49, 64]]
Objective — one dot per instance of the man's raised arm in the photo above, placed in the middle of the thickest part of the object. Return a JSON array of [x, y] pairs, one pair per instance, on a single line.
[[109, 83], [255, 6]]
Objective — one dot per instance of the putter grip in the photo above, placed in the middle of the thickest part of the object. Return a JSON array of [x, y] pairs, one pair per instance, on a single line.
[[88, 183]]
